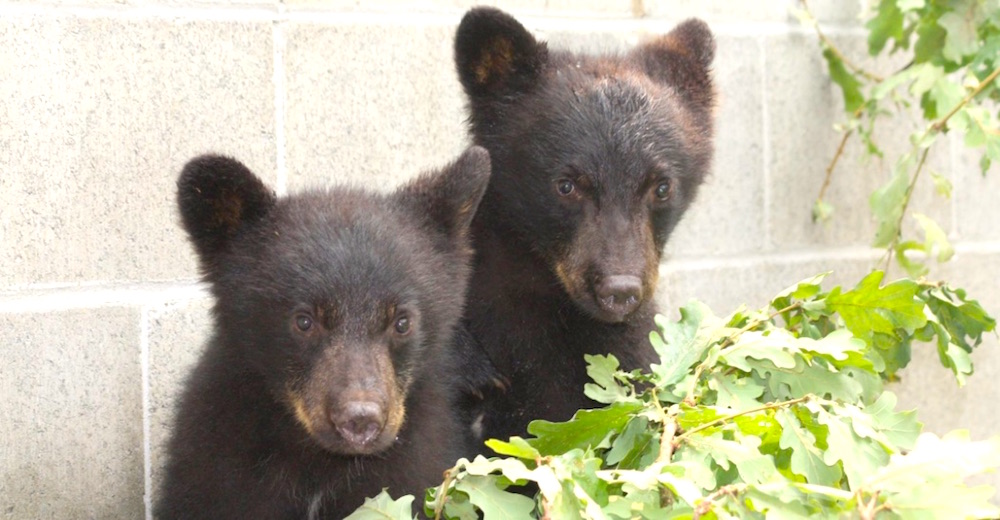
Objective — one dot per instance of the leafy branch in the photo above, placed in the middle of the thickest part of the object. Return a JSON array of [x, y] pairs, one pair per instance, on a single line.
[[790, 417], [953, 64]]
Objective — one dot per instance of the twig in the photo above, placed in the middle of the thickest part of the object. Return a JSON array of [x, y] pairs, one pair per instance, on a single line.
[[833, 48], [836, 156], [669, 430], [940, 124], [868, 510], [906, 203], [721, 420], [706, 504], [937, 126], [442, 494]]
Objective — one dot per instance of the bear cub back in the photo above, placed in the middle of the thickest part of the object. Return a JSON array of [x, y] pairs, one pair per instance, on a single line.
[[330, 373]]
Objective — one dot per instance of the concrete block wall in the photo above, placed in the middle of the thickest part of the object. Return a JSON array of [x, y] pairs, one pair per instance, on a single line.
[[102, 101]]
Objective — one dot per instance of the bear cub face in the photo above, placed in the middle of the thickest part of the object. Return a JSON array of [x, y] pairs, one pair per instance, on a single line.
[[339, 299], [595, 158]]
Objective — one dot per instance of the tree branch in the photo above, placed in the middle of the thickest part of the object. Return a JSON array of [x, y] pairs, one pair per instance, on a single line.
[[940, 124], [722, 420], [706, 504], [442, 494], [826, 42]]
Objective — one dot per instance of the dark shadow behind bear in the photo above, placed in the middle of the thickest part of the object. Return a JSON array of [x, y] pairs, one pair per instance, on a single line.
[[331, 372], [595, 160]]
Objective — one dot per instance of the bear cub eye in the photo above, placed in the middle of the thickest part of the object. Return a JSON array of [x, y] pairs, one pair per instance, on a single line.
[[303, 322], [565, 187], [662, 190], [402, 325]]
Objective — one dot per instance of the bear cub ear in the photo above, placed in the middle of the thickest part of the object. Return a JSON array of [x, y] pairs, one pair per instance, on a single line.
[[450, 196], [216, 196], [495, 54], [682, 58]]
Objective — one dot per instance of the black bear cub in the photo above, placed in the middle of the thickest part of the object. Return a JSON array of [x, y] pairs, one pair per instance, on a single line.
[[595, 160], [330, 372]]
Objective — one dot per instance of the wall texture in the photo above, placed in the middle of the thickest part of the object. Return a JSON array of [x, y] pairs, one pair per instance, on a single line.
[[102, 101]]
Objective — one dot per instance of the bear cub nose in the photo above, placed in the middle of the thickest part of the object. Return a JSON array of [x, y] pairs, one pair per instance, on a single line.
[[619, 294], [359, 422]]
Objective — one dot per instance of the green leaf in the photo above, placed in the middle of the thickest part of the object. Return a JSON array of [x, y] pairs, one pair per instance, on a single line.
[[930, 40], [944, 500], [456, 507], [942, 185], [605, 388], [744, 454], [677, 343], [886, 24], [887, 202], [946, 96], [899, 428], [587, 428], [935, 238], [858, 458], [636, 447], [737, 394], [516, 447], [961, 39], [963, 318], [383, 507], [776, 347], [822, 211], [869, 308], [495, 503], [927, 482], [849, 85], [807, 459]]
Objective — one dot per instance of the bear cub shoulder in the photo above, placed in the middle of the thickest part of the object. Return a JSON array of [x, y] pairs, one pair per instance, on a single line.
[[330, 372]]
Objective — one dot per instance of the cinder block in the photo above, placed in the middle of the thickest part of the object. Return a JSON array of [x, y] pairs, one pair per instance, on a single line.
[[180, 3], [371, 105], [99, 116], [724, 287], [177, 337], [803, 105], [728, 215], [976, 210], [622, 8], [846, 12], [71, 441], [720, 10]]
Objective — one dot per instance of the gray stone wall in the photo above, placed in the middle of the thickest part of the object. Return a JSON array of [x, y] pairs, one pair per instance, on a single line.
[[102, 101]]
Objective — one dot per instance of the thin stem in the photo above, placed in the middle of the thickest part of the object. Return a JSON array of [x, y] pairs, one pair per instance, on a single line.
[[906, 203], [706, 504], [940, 124], [836, 156], [666, 446], [868, 510], [937, 126], [833, 164], [721, 420], [669, 430], [833, 48], [442, 494]]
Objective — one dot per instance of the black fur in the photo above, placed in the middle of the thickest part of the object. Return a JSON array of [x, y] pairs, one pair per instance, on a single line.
[[595, 160], [330, 373]]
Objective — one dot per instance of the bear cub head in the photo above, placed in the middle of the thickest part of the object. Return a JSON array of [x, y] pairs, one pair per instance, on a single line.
[[339, 300], [595, 158]]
